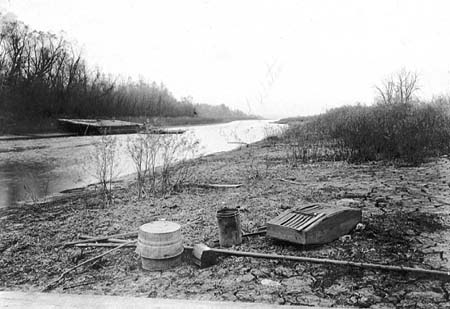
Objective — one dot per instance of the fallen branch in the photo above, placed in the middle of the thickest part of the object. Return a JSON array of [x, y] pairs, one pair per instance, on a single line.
[[224, 186], [129, 234], [105, 245], [263, 232], [214, 185], [54, 283], [116, 240], [290, 181], [78, 285]]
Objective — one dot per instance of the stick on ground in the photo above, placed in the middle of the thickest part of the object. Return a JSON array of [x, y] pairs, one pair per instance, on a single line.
[[115, 240], [129, 234], [104, 245], [54, 283], [290, 181]]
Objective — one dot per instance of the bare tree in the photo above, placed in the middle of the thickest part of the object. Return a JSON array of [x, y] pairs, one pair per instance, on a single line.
[[400, 88]]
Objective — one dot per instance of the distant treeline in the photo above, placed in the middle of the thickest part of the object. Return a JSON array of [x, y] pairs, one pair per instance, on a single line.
[[42, 75]]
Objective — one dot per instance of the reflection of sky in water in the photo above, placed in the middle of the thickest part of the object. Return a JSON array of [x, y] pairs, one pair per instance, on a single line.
[[40, 167]]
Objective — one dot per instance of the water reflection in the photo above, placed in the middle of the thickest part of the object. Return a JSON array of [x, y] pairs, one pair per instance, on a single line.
[[30, 169]]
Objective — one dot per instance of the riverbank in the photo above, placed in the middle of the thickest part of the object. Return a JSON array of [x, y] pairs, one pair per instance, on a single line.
[[405, 219], [48, 126]]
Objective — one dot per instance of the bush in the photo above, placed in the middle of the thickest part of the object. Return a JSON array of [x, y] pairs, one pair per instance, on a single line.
[[177, 167], [162, 162], [406, 131], [143, 150], [105, 162], [307, 143]]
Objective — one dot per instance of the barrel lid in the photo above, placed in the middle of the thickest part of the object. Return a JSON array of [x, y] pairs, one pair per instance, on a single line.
[[160, 227]]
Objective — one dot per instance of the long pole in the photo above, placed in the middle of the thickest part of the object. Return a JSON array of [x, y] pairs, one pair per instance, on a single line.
[[333, 262]]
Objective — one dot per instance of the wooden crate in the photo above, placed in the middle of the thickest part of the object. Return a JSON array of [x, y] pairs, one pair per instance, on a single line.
[[313, 224]]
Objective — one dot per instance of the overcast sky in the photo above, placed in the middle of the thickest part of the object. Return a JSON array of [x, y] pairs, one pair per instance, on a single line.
[[273, 58]]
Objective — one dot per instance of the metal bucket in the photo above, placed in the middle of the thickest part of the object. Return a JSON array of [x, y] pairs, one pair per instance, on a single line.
[[160, 245], [229, 227]]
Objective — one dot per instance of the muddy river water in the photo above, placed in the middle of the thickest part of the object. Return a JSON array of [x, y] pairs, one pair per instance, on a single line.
[[31, 169]]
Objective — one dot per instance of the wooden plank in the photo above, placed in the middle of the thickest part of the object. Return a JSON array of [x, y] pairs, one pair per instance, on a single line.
[[304, 224], [299, 222], [289, 217], [280, 217], [315, 221], [307, 223], [290, 220], [298, 218], [307, 208]]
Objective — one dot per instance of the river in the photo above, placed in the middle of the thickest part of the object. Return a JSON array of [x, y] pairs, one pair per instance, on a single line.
[[32, 169]]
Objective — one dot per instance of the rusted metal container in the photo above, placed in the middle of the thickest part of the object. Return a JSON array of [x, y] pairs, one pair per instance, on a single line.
[[229, 223]]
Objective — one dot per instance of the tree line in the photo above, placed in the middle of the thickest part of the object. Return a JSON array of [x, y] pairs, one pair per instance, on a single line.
[[43, 75]]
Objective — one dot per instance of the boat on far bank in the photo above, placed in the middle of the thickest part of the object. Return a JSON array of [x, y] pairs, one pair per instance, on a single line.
[[98, 126], [104, 126]]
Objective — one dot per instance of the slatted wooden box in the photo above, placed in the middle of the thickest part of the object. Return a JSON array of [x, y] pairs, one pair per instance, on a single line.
[[313, 224]]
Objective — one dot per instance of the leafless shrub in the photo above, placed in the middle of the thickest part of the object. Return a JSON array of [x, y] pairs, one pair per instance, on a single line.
[[153, 147], [305, 143], [162, 161], [176, 151], [137, 150], [35, 187], [143, 150], [104, 160], [252, 167], [273, 134]]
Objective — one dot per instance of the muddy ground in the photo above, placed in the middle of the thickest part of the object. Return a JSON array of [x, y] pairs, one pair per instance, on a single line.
[[405, 216]]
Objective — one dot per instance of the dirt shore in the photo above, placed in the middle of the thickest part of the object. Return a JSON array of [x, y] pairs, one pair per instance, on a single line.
[[40, 127], [405, 216]]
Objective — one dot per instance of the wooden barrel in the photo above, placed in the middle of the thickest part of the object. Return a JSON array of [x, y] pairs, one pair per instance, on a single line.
[[160, 245]]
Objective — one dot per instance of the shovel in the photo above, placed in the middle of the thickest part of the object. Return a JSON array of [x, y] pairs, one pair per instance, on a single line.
[[204, 256]]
